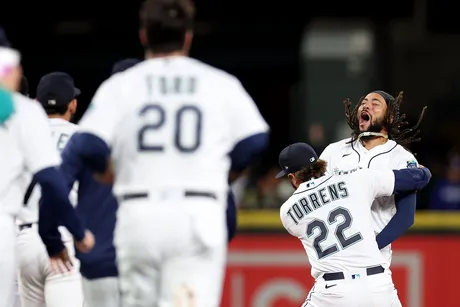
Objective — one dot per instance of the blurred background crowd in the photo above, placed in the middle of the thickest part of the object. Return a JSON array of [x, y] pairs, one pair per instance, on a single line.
[[299, 61]]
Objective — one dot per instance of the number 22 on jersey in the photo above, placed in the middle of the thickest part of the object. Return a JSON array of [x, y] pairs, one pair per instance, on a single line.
[[323, 232]]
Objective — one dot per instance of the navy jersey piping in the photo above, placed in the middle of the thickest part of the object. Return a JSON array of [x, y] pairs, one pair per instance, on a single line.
[[382, 153], [359, 156], [313, 187]]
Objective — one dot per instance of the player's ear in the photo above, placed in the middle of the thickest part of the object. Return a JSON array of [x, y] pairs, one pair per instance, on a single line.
[[293, 180], [188, 41], [143, 37], [73, 106]]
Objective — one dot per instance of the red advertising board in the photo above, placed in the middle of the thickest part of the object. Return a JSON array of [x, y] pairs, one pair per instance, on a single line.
[[267, 270]]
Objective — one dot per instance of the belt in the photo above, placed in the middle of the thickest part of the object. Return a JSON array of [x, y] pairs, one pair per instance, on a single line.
[[339, 275], [25, 226], [200, 194], [131, 196]]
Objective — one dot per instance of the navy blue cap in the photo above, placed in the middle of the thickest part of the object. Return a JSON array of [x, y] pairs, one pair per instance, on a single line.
[[294, 157], [4, 42], [124, 65], [56, 89], [387, 97]]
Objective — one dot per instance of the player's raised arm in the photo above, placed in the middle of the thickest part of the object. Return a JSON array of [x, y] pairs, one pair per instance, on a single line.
[[411, 179], [405, 204], [386, 183], [42, 159], [249, 130]]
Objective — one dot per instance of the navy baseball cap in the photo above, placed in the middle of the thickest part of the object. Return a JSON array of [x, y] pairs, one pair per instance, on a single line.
[[124, 65], [294, 157], [56, 89]]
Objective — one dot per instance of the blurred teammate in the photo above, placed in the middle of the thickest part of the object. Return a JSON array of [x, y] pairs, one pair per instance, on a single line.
[[24, 90], [98, 207], [26, 148], [40, 285], [332, 218], [377, 143], [175, 127], [124, 65], [24, 87]]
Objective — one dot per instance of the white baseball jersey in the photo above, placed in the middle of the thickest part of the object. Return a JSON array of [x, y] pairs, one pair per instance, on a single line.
[[61, 131], [171, 123], [26, 147], [343, 156], [332, 218]]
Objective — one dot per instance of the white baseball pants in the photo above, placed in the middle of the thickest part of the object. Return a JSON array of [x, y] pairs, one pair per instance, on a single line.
[[366, 291], [8, 269], [15, 294], [171, 251], [102, 292], [39, 286]]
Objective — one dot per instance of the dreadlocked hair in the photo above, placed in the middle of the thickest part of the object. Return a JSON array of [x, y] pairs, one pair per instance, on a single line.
[[394, 121]]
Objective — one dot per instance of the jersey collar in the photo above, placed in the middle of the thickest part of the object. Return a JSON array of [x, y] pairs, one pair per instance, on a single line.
[[56, 120], [377, 149]]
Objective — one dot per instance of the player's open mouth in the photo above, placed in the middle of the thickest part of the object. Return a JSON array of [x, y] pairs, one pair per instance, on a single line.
[[364, 118]]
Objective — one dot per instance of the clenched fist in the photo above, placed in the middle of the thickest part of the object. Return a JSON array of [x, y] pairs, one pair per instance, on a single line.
[[87, 244]]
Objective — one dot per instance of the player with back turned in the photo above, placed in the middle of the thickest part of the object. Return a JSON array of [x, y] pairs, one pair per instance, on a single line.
[[26, 147], [331, 216], [175, 128], [98, 207], [378, 137], [42, 284]]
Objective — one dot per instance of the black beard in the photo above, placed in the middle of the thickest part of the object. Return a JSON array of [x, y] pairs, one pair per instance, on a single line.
[[376, 127]]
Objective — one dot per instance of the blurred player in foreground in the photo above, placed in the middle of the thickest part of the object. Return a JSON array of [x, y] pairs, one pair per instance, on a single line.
[[377, 143], [98, 207], [24, 87], [40, 284], [331, 216], [175, 128], [26, 147], [24, 90]]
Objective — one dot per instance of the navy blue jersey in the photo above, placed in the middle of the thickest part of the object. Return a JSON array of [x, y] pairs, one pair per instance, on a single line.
[[97, 207]]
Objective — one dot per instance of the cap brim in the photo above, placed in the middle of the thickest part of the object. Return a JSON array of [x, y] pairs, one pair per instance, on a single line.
[[281, 174], [76, 92]]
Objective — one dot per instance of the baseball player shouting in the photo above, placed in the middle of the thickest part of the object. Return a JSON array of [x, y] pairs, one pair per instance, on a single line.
[[377, 143], [331, 216], [175, 128], [26, 147], [40, 285]]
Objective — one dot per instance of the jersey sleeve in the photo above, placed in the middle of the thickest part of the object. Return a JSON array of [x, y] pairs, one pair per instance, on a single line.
[[404, 159], [105, 111], [285, 220], [376, 182], [36, 139], [245, 118]]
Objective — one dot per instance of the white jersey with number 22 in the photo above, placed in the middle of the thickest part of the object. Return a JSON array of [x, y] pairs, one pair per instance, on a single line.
[[332, 218]]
